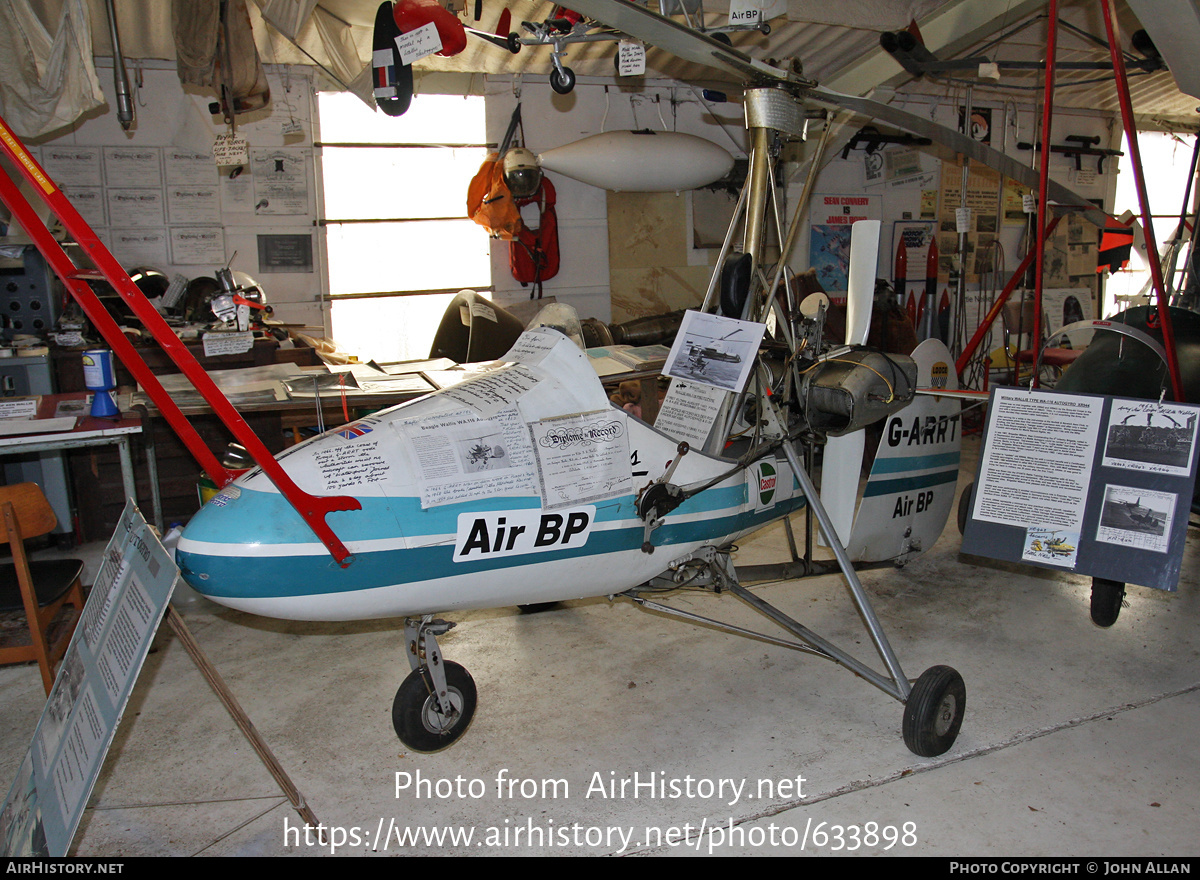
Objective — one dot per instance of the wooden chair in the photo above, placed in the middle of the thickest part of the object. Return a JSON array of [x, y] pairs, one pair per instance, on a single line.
[[39, 589]]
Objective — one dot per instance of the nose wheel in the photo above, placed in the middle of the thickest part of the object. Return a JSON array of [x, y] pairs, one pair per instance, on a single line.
[[933, 712], [435, 703]]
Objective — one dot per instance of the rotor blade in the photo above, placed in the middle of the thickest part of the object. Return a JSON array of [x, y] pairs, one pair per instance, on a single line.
[[959, 143], [670, 36]]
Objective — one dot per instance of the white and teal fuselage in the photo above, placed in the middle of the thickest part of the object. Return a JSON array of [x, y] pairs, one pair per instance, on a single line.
[[415, 551]]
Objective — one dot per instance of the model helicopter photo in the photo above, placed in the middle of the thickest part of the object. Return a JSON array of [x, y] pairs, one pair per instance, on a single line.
[[700, 354], [1059, 546]]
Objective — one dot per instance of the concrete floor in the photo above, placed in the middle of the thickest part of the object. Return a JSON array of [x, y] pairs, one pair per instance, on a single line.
[[1077, 741]]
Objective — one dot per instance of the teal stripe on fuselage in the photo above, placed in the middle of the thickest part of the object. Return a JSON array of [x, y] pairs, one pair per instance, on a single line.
[[909, 484], [289, 576], [915, 463], [268, 517]]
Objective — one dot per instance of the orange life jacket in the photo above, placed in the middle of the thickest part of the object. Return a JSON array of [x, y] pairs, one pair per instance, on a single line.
[[490, 204]]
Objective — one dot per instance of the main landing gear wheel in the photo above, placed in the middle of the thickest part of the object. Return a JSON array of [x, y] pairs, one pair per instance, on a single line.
[[934, 710], [964, 507], [563, 82], [426, 721], [1107, 597]]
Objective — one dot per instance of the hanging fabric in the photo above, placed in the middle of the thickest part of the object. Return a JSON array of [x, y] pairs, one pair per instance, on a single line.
[[489, 203], [46, 82], [214, 47]]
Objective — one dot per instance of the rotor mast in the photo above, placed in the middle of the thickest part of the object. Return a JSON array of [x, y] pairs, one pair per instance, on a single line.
[[769, 110]]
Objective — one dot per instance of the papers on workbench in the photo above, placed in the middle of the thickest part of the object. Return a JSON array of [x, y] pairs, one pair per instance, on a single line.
[[356, 380], [279, 382], [13, 427], [417, 366], [242, 386], [614, 359], [18, 415], [19, 407]]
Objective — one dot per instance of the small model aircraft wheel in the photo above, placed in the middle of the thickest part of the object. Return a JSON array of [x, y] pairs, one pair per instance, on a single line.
[[424, 723], [514, 42], [562, 83], [764, 29], [722, 37], [934, 710], [1107, 597]]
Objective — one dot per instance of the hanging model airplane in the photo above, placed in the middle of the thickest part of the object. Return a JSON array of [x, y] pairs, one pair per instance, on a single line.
[[565, 27]]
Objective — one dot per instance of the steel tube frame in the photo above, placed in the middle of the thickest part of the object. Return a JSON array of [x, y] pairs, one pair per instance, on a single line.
[[1135, 154]]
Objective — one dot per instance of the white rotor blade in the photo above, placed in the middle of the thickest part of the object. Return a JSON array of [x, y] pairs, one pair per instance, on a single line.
[[843, 455]]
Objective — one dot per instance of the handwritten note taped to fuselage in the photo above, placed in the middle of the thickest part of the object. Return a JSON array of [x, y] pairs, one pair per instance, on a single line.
[[492, 392], [351, 465]]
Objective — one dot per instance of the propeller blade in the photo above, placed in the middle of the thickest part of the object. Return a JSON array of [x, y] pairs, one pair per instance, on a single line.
[[860, 286], [843, 456]]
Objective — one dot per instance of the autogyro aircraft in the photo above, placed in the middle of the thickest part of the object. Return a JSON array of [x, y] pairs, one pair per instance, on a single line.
[[390, 515], [590, 501]]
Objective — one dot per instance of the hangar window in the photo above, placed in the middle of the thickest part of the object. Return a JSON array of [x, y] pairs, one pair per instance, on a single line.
[[1167, 163], [398, 242]]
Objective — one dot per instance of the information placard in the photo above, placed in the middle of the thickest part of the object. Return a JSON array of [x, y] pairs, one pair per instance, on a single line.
[[120, 617], [1095, 485]]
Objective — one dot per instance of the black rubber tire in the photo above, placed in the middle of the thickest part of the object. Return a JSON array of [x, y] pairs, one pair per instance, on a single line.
[[723, 38], [1107, 597], [416, 719], [537, 607], [563, 84], [964, 507], [934, 711]]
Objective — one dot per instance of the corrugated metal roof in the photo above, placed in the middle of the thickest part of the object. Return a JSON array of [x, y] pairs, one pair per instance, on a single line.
[[823, 49]]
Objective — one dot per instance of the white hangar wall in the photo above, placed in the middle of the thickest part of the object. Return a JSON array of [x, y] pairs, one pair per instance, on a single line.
[[621, 254]]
